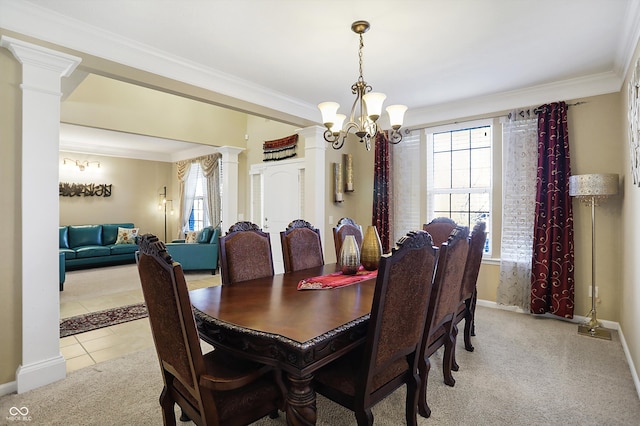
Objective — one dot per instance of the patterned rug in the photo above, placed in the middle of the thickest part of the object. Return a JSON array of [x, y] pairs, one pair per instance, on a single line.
[[94, 320]]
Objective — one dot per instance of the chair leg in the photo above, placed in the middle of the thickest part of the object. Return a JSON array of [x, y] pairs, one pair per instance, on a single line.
[[167, 404], [468, 326], [472, 309], [364, 417], [412, 401], [449, 353], [423, 369], [183, 416]]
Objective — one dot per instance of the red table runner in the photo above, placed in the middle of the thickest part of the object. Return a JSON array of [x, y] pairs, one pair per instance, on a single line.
[[335, 279]]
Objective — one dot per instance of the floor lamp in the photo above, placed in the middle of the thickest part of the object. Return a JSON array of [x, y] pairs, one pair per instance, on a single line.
[[591, 189], [162, 204]]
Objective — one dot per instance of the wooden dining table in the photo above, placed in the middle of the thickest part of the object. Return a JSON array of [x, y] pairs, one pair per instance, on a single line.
[[298, 331]]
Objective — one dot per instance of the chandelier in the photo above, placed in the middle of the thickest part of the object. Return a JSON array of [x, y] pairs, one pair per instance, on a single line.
[[365, 111]]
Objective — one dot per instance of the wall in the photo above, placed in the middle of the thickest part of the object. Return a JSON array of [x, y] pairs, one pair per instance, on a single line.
[[10, 218], [136, 185], [629, 306]]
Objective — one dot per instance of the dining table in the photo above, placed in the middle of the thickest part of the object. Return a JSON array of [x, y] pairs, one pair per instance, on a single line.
[[298, 331]]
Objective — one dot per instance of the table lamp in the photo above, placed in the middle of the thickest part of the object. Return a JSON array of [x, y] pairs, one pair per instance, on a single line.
[[591, 189]]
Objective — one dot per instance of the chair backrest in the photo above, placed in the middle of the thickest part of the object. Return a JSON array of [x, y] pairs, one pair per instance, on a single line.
[[172, 323], [245, 253], [447, 283], [301, 246], [474, 259], [346, 226], [399, 309], [440, 228]]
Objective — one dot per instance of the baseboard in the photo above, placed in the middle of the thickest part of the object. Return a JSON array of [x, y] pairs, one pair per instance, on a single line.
[[40, 373], [578, 320], [7, 388]]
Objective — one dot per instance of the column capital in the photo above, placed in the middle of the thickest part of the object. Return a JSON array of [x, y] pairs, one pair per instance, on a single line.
[[313, 137], [230, 153], [32, 54]]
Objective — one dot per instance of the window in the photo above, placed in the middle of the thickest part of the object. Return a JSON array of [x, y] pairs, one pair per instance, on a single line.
[[197, 218], [459, 175]]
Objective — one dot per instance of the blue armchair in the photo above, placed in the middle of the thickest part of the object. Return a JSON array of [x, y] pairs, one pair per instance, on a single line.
[[203, 254]]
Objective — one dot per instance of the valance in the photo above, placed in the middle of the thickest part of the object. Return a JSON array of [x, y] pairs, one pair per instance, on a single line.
[[279, 149]]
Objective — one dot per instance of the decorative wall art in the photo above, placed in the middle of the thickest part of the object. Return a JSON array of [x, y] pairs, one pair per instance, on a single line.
[[338, 183], [348, 167], [279, 149], [634, 125], [84, 189]]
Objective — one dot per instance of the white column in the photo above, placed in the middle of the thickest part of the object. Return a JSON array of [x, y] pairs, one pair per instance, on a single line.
[[315, 149], [229, 186], [42, 69]]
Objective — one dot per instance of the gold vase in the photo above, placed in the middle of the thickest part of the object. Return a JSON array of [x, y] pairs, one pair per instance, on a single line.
[[371, 249], [349, 259]]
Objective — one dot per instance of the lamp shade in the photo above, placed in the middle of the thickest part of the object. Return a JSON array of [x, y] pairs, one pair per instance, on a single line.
[[593, 185], [374, 101], [328, 111], [396, 115]]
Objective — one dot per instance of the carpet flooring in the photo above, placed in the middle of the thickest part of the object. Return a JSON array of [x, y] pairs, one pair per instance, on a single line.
[[106, 318], [524, 371]]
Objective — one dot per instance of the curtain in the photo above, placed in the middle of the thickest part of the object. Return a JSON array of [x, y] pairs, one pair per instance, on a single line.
[[552, 279], [381, 190], [185, 207], [520, 162], [210, 165]]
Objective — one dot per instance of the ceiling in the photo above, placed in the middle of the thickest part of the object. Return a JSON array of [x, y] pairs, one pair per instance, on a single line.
[[443, 58]]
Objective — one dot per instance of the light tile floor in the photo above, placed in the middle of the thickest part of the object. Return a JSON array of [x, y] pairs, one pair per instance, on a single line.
[[86, 349]]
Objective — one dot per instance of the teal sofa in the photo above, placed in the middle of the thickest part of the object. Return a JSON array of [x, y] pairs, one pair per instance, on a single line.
[[201, 255], [86, 246]]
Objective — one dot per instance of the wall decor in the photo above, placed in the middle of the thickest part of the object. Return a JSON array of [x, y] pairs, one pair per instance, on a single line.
[[279, 149], [84, 189], [634, 125], [338, 184], [348, 167]]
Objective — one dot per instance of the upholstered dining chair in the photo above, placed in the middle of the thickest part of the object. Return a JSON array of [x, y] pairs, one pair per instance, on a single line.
[[346, 226], [301, 246], [447, 286], [212, 389], [245, 253], [389, 357], [467, 306], [440, 228]]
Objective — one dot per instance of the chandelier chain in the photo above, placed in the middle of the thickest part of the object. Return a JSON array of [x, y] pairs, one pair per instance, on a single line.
[[360, 57]]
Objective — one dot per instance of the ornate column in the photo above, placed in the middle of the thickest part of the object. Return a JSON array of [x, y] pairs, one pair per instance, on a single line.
[[42, 69], [229, 186]]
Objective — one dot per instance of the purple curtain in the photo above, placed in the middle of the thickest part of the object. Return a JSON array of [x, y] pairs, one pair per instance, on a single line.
[[381, 190], [552, 267]]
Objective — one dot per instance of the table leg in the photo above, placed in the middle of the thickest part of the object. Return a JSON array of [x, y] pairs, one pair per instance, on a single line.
[[301, 401]]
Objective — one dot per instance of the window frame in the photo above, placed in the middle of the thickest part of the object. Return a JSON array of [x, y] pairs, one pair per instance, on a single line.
[[494, 148]]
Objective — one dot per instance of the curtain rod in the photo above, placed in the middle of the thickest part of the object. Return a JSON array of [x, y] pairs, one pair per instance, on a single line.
[[406, 131]]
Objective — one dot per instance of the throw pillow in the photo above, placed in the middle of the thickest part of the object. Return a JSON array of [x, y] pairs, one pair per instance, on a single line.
[[127, 235], [191, 237]]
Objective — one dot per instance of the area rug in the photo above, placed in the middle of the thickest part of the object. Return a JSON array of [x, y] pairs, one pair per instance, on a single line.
[[95, 320]]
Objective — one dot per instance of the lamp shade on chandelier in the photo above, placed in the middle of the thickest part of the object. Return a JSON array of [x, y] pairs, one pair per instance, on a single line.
[[365, 112]]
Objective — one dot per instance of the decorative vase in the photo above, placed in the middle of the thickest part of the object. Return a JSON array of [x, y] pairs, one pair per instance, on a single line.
[[371, 249], [349, 260]]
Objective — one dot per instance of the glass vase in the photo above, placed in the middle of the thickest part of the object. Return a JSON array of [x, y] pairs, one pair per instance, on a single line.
[[349, 259], [371, 249]]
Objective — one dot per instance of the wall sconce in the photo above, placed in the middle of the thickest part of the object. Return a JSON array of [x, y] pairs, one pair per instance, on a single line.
[[80, 164], [338, 183], [162, 205]]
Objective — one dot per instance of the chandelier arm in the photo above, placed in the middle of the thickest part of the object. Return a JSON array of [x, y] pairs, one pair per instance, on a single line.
[[395, 136]]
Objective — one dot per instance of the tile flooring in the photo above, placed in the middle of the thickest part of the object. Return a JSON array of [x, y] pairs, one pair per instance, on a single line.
[[86, 349]]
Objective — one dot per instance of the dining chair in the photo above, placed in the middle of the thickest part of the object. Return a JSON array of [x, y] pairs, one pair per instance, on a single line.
[[346, 226], [245, 253], [389, 357], [447, 286], [440, 228], [467, 306], [211, 389], [301, 246]]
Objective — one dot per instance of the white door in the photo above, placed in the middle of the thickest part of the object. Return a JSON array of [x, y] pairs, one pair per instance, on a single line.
[[282, 203]]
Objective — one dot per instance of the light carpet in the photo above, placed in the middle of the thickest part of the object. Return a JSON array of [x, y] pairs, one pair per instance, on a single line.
[[524, 371]]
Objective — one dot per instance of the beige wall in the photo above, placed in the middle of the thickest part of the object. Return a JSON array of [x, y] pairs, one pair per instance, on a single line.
[[111, 104], [10, 219], [136, 185], [629, 276]]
